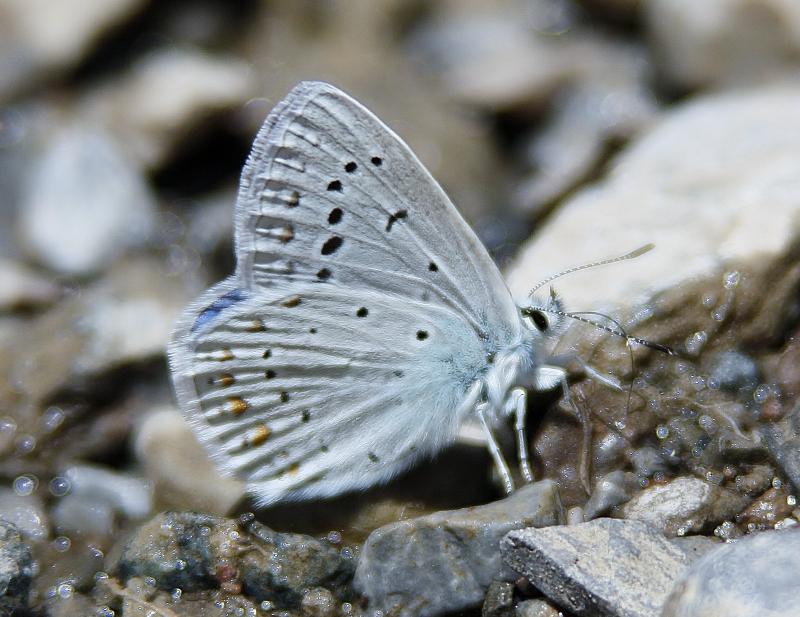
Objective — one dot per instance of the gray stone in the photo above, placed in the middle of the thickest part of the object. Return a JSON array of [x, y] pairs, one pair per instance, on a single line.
[[26, 513], [648, 461], [756, 575], [499, 600], [176, 549], [38, 38], [695, 547], [757, 480], [684, 505], [198, 552], [785, 451], [16, 570], [537, 608], [85, 203], [734, 370], [445, 562], [611, 490], [603, 568], [22, 288], [318, 602], [85, 344], [183, 476], [280, 566], [192, 87], [722, 42]]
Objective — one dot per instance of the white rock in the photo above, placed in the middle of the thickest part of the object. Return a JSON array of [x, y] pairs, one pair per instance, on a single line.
[[21, 287], [37, 35], [182, 473], [716, 42], [756, 575], [165, 95], [26, 513], [684, 505], [73, 515], [716, 182], [84, 203], [128, 495]]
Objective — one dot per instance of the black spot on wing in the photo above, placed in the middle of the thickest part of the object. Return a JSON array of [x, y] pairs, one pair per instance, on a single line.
[[399, 215], [335, 216], [331, 245]]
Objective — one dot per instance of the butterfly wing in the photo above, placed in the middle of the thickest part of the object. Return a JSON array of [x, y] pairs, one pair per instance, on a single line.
[[323, 390], [331, 193], [362, 310]]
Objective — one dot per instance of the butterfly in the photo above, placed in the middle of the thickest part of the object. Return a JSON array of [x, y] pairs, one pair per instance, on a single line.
[[364, 323]]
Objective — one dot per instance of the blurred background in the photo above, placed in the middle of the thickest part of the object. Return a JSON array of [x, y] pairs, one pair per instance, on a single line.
[[123, 128]]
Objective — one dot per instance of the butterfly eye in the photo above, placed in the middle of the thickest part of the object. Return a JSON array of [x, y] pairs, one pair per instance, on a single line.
[[536, 318]]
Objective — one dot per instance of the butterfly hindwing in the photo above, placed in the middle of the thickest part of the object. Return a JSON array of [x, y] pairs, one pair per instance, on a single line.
[[323, 389]]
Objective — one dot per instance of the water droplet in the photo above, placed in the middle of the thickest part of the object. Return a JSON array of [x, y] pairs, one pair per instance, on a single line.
[[791, 500], [662, 432], [731, 279], [696, 342], [334, 537], [59, 486], [777, 483], [709, 299], [65, 591], [52, 418], [7, 425], [707, 423], [25, 485], [761, 393], [62, 544], [25, 444], [176, 594]]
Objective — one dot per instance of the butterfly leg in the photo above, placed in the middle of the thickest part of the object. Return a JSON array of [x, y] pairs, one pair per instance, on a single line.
[[586, 426], [494, 450], [517, 404]]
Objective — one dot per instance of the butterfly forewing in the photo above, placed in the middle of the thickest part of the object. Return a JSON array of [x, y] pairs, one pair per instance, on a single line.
[[331, 194], [362, 310]]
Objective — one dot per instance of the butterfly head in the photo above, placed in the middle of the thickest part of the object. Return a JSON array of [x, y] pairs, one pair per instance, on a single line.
[[547, 316]]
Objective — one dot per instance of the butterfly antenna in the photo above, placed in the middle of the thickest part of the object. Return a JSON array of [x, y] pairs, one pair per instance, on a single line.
[[618, 331], [632, 255]]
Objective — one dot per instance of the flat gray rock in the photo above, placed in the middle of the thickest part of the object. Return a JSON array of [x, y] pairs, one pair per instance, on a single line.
[[603, 568], [684, 505], [755, 576], [444, 562]]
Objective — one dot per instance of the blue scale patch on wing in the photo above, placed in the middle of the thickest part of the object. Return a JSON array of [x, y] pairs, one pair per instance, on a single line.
[[215, 308]]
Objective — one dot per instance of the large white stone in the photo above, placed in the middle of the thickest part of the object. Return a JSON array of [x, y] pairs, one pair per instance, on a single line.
[[85, 203], [715, 185], [719, 42]]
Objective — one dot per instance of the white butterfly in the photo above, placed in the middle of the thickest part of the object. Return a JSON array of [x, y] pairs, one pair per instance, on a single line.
[[365, 321]]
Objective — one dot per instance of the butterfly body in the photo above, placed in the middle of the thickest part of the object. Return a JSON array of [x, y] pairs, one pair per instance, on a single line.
[[364, 322]]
